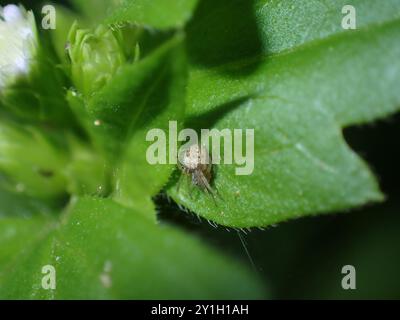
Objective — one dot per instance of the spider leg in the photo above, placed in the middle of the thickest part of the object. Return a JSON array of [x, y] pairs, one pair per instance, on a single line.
[[215, 190], [207, 187]]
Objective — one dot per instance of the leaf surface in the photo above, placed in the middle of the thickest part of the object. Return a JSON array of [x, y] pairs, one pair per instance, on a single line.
[[302, 166], [101, 250], [297, 78]]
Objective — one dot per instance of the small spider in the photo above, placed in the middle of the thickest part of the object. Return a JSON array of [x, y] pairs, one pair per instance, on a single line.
[[195, 162]]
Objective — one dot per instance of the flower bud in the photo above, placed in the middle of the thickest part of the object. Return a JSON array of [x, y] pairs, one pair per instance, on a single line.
[[18, 43], [95, 57]]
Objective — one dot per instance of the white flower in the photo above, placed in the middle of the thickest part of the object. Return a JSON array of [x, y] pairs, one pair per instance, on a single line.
[[18, 42]]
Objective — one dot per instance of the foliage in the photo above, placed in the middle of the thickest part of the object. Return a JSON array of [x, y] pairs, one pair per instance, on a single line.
[[76, 189]]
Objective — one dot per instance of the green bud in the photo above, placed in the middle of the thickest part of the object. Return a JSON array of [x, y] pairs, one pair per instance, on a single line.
[[95, 57], [30, 162]]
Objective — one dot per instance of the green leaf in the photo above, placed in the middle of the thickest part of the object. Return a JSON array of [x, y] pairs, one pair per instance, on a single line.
[[159, 14], [124, 100], [87, 172], [101, 250], [285, 25], [297, 90], [236, 29], [323, 65], [337, 73], [302, 167], [19, 205], [164, 101], [142, 96], [17, 235], [95, 10], [39, 174]]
